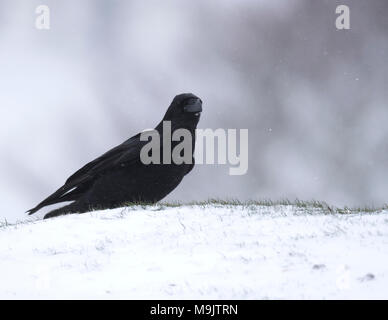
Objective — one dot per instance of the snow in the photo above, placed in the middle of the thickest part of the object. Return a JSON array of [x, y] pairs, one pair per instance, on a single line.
[[197, 252]]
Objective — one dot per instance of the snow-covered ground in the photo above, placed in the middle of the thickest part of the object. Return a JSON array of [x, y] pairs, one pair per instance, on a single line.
[[197, 252]]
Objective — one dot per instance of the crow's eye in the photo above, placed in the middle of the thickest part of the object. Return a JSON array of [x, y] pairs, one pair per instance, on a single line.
[[190, 101]]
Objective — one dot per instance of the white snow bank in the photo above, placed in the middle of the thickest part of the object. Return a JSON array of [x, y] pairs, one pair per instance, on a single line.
[[212, 252]]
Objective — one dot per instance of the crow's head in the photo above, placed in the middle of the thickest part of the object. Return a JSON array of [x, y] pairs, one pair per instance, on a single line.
[[184, 110]]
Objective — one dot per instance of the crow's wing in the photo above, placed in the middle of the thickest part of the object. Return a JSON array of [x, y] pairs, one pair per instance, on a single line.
[[130, 148], [125, 153]]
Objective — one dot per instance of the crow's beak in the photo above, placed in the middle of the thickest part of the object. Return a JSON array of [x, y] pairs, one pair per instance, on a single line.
[[193, 106]]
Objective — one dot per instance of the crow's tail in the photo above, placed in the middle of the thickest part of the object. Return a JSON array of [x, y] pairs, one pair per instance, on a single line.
[[71, 208]]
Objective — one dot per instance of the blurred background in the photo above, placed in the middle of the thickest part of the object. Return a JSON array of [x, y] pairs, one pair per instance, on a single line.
[[314, 98]]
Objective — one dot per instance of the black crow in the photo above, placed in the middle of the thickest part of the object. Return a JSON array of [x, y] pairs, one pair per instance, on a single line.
[[120, 176]]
